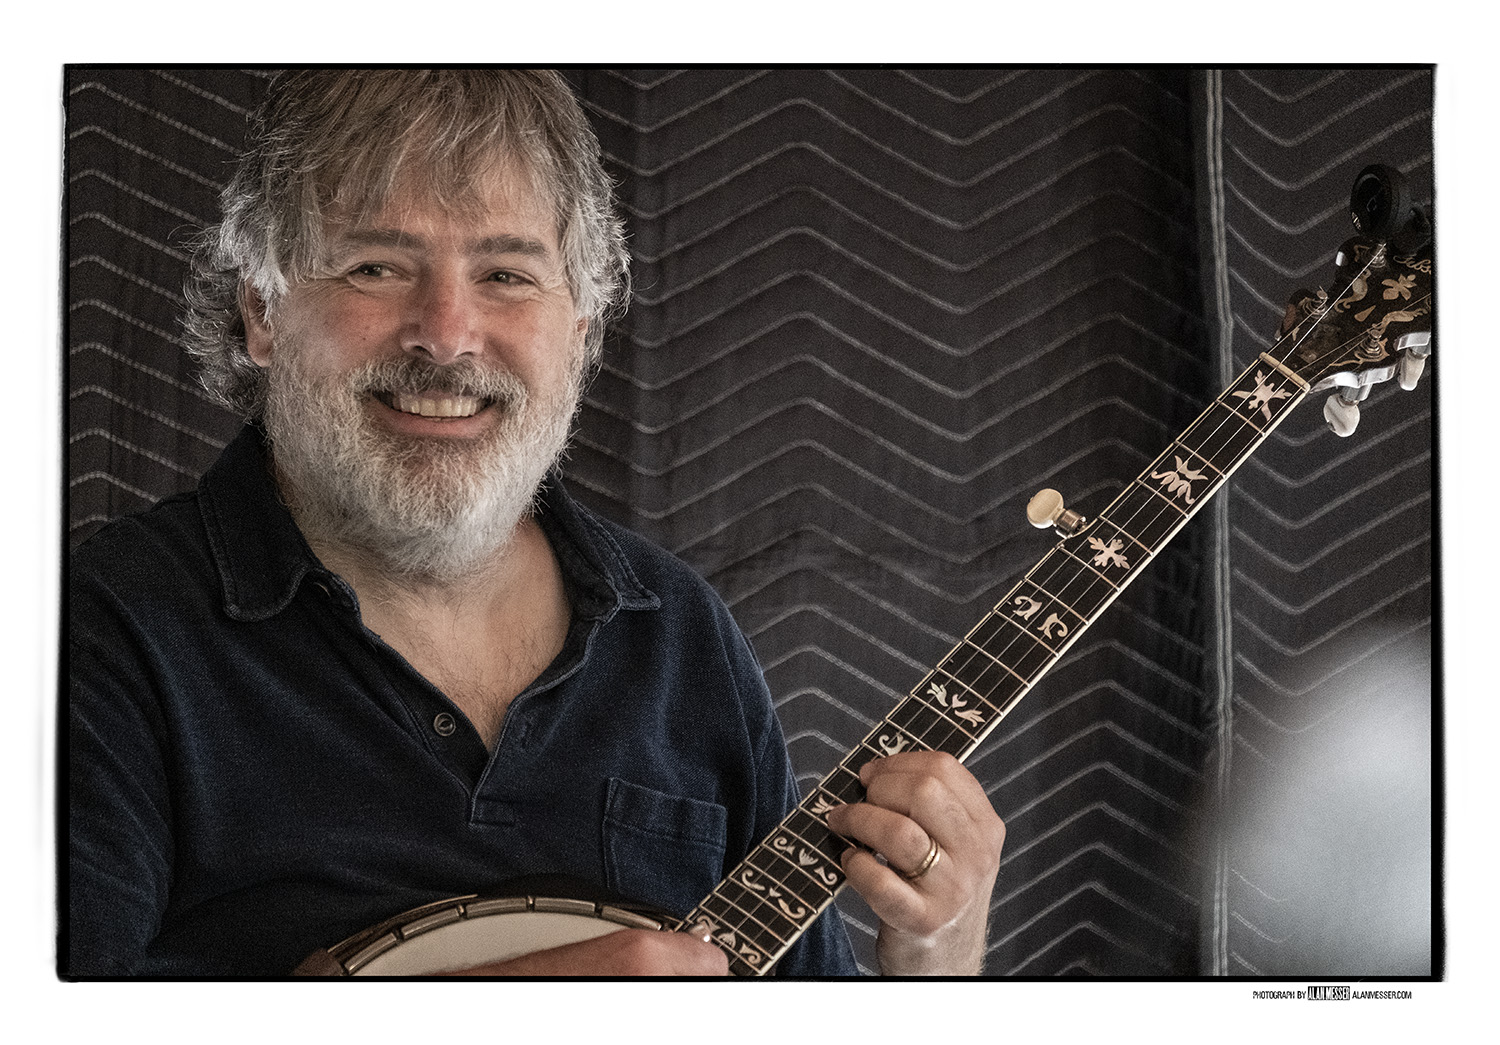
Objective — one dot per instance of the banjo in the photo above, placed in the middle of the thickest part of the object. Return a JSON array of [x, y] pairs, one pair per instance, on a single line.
[[1377, 325]]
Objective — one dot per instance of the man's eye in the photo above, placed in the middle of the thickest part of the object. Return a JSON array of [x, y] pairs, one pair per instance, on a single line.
[[372, 270]]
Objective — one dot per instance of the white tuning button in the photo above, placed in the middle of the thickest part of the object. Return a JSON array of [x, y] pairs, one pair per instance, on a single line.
[[1046, 509], [1411, 370], [1414, 349], [1342, 416]]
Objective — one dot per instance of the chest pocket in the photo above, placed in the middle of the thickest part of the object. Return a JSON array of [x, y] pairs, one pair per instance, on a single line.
[[662, 849]]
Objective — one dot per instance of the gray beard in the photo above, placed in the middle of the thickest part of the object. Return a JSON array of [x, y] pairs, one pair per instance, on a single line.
[[419, 509]]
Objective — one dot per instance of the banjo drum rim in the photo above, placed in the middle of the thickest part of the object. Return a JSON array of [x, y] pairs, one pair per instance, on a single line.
[[349, 956]]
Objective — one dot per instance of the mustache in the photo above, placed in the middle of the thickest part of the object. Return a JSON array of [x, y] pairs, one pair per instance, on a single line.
[[418, 377]]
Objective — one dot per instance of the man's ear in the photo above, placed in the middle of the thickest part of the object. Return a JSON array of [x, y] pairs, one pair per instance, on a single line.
[[257, 325]]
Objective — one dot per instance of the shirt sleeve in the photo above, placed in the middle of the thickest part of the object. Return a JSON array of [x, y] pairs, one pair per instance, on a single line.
[[119, 822]]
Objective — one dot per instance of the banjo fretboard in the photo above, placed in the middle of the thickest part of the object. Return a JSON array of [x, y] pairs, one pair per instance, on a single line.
[[777, 891]]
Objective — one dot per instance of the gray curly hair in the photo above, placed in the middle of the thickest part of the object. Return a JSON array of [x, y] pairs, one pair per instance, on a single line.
[[347, 139]]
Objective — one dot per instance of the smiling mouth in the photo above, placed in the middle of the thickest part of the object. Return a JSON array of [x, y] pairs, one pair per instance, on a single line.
[[434, 405]]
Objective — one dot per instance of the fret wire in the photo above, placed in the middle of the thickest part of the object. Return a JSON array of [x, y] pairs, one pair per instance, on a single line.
[[958, 667], [1109, 557], [974, 668], [805, 826], [1188, 451], [1052, 566], [971, 644], [1224, 435], [743, 905], [732, 918], [930, 734], [819, 801], [983, 650], [878, 740], [855, 759], [952, 677], [939, 727], [1059, 600], [1225, 398], [791, 875], [725, 919], [783, 870], [1225, 401], [944, 715], [850, 781], [816, 834], [775, 905], [1069, 553], [892, 740], [1002, 682], [832, 865], [1205, 494], [1139, 498], [1129, 536], [1039, 641], [1128, 525], [1160, 497], [1148, 530], [961, 660], [949, 706], [998, 662], [892, 735], [1005, 646], [1225, 406], [937, 733]]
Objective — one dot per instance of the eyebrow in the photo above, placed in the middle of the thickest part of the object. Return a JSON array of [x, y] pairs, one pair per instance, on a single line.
[[504, 243]]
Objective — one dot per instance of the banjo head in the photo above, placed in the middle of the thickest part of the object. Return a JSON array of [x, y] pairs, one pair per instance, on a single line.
[[466, 931]]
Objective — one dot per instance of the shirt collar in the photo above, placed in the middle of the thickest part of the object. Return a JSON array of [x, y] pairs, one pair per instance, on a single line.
[[263, 558]]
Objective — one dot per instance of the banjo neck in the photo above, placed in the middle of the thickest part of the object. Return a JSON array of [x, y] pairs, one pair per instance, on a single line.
[[777, 891]]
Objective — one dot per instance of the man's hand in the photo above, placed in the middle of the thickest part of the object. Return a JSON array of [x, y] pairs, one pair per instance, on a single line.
[[933, 924], [628, 952]]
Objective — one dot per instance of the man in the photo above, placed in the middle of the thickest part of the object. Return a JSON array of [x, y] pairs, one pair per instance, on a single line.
[[380, 657]]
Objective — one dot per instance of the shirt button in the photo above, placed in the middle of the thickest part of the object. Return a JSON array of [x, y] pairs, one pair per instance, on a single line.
[[444, 724]]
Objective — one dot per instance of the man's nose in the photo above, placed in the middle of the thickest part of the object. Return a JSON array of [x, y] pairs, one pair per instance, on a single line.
[[444, 321]]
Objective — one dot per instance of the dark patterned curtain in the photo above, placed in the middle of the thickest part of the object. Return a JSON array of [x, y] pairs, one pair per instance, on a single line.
[[875, 310], [1324, 739]]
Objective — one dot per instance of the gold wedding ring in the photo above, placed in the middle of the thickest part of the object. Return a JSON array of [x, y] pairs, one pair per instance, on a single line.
[[927, 864]]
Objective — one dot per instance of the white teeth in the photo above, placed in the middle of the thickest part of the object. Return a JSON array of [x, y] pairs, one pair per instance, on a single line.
[[441, 406]]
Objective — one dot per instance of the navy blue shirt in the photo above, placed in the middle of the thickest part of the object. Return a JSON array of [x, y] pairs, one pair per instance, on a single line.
[[254, 774]]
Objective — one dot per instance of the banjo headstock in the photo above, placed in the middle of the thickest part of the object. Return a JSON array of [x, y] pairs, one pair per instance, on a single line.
[[1378, 322]]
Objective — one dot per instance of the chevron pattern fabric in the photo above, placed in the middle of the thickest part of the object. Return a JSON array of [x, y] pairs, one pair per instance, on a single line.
[[147, 153], [875, 310], [1330, 552]]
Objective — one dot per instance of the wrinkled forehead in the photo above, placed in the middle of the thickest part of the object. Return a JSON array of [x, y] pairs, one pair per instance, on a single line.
[[501, 195], [475, 192]]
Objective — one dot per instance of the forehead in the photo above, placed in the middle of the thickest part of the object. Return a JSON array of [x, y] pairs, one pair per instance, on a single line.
[[500, 201]]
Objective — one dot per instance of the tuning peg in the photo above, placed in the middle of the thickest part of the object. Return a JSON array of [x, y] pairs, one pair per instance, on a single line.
[[1046, 509], [1380, 202], [1342, 410], [1417, 348], [1411, 371], [1342, 416]]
